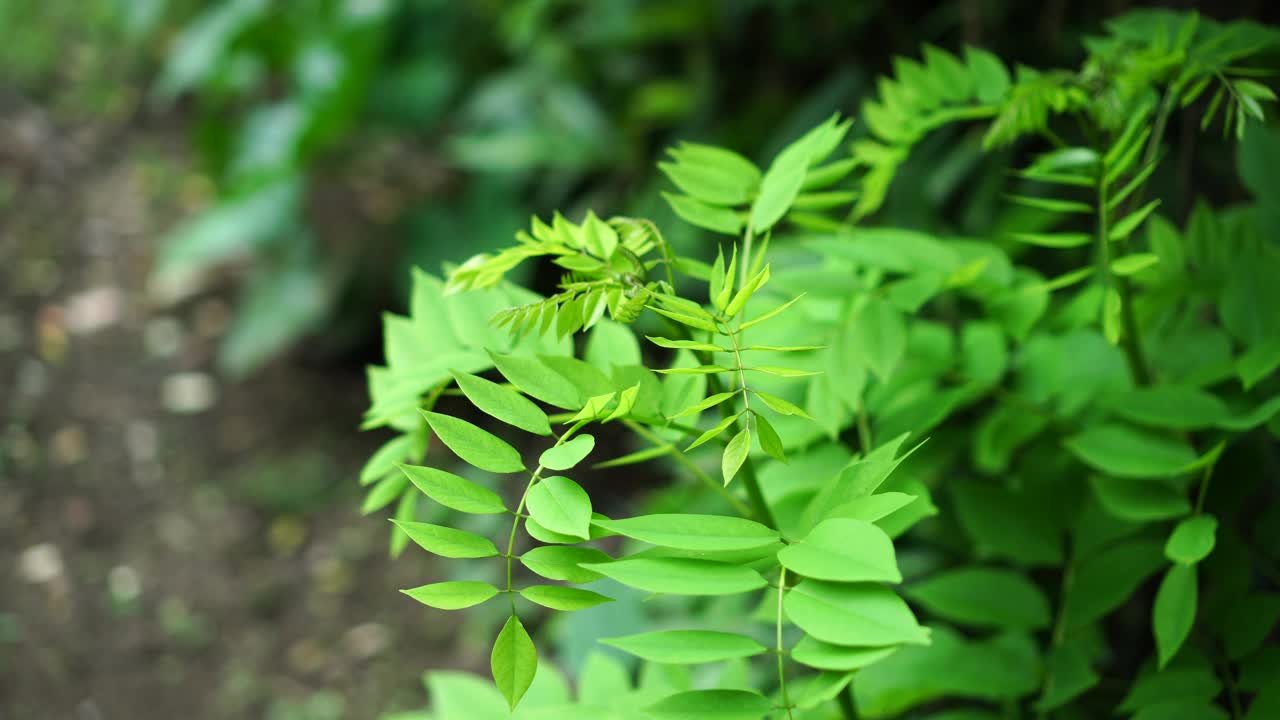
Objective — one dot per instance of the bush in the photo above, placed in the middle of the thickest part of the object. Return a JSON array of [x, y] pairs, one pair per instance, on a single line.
[[912, 474]]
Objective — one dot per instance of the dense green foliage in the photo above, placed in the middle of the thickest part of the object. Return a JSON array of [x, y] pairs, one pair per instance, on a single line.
[[1027, 474]]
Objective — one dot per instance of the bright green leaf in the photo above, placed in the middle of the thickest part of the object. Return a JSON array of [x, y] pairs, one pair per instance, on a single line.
[[503, 403], [514, 661], [560, 505], [1175, 611], [566, 599], [681, 576], [687, 531], [1192, 540], [475, 446], [846, 550], [687, 647], [452, 595], [454, 492], [568, 454], [446, 541], [853, 614]]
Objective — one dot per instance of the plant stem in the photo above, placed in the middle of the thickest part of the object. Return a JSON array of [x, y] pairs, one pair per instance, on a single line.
[[1129, 339], [782, 672], [1059, 630], [515, 522], [741, 507]]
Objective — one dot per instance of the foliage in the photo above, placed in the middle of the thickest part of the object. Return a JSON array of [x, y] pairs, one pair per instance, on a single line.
[[913, 474]]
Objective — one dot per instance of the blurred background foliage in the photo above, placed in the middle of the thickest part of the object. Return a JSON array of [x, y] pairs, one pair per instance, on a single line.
[[348, 140], [327, 147]]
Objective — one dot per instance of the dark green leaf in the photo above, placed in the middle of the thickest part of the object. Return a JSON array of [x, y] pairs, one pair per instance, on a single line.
[[984, 596]]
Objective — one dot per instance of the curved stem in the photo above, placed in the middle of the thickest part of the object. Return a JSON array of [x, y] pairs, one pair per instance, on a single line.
[[782, 671], [515, 521], [1129, 339]]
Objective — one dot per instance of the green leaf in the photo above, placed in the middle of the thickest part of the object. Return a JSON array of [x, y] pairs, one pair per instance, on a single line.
[[735, 453], [1125, 451], [983, 596], [825, 656], [769, 440], [384, 493], [685, 344], [562, 598], [705, 404], [537, 379], [1175, 611], [1053, 205], [446, 541], [568, 454], [694, 321], [778, 189], [1192, 540], [1139, 500], [687, 647], [454, 492], [712, 174], [1006, 524], [452, 595], [846, 550], [681, 576], [563, 563], [771, 314], [877, 337], [687, 531], [1069, 673], [710, 217], [744, 294], [780, 406], [782, 371], [1105, 580], [1169, 406], [857, 614], [871, 508], [477, 447], [714, 432], [1125, 227], [514, 661], [560, 505], [503, 403], [385, 458], [710, 705], [1133, 263], [1054, 240]]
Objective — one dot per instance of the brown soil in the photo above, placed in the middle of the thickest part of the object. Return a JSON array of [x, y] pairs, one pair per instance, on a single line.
[[167, 551]]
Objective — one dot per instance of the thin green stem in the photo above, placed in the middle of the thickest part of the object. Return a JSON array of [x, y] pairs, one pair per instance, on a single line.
[[639, 429], [515, 521], [782, 671], [1059, 629], [1129, 339], [1205, 479]]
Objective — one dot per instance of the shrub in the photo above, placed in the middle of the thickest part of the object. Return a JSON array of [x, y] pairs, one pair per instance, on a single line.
[[911, 474]]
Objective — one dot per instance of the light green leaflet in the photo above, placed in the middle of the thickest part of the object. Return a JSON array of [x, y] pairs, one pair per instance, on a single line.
[[735, 454], [1192, 540], [853, 614], [569, 454], [454, 492], [537, 379], [693, 532], [710, 705], [503, 403], [1175, 611], [514, 661], [562, 563], [560, 505], [843, 549], [687, 647], [681, 576], [452, 595], [446, 541], [476, 446], [983, 596], [566, 599], [825, 656]]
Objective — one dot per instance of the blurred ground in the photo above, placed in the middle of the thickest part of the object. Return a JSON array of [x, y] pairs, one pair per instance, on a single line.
[[170, 545]]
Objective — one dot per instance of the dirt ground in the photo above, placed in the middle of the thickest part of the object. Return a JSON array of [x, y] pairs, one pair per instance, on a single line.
[[173, 545]]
